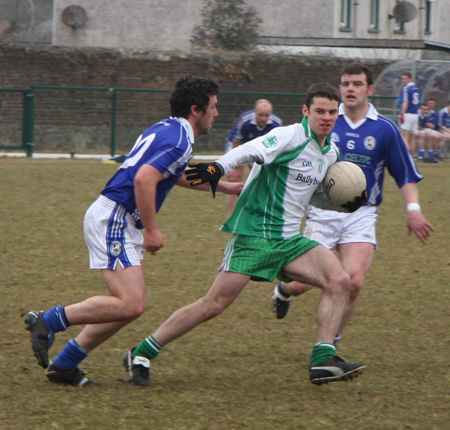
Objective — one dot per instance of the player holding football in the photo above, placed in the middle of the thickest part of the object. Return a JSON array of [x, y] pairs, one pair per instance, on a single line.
[[129, 202], [291, 163], [374, 143]]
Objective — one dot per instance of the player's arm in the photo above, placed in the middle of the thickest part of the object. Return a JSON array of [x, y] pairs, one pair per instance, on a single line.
[[321, 201], [230, 188], [404, 107], [200, 173], [416, 221], [145, 184]]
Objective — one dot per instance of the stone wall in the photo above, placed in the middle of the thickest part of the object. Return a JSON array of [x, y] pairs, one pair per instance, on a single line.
[[81, 121]]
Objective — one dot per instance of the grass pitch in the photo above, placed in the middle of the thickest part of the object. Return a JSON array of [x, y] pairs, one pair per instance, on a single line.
[[244, 369]]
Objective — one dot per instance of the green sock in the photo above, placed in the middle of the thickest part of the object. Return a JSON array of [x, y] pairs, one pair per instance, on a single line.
[[149, 348], [322, 351]]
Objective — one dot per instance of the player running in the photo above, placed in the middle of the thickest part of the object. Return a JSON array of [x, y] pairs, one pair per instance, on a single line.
[[374, 143], [291, 163], [129, 203]]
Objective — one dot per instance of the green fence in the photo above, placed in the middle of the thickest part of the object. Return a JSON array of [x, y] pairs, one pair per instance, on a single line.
[[16, 119], [81, 120]]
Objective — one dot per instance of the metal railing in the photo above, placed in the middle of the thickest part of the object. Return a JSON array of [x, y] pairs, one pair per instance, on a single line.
[[108, 120]]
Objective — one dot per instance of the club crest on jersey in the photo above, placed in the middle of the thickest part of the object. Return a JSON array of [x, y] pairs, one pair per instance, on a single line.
[[370, 142], [320, 163], [335, 137], [115, 248]]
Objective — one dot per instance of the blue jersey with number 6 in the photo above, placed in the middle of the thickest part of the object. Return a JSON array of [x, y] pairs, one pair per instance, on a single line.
[[166, 146], [373, 144]]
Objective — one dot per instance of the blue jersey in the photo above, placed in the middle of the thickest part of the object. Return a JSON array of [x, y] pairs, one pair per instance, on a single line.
[[373, 144], [166, 146], [433, 118], [410, 94], [247, 128], [444, 117], [423, 119]]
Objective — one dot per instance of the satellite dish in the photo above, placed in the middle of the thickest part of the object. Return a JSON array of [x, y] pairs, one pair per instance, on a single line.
[[74, 16], [404, 12]]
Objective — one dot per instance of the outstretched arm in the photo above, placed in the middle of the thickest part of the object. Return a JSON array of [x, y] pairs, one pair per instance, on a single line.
[[416, 221], [230, 188]]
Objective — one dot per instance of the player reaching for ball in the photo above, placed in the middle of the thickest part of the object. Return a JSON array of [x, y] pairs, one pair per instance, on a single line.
[[291, 163], [374, 143]]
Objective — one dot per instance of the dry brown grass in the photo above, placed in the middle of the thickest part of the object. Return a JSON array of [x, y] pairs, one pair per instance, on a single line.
[[245, 369]]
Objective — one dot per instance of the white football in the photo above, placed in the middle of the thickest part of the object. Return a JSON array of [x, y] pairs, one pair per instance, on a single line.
[[343, 182]]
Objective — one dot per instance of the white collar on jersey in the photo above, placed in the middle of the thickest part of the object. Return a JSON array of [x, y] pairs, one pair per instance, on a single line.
[[371, 113], [187, 125]]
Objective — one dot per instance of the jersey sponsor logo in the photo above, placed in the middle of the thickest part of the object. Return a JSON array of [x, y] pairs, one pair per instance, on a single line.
[[115, 248], [370, 142], [270, 141], [357, 158], [352, 134], [309, 180]]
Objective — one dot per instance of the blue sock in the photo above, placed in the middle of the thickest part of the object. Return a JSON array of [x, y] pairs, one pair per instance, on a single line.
[[71, 355], [55, 319], [281, 290]]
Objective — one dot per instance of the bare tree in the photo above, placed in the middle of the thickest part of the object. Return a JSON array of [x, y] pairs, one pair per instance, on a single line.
[[227, 24]]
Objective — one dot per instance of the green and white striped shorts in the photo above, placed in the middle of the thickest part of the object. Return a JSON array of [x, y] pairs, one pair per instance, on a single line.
[[263, 259]]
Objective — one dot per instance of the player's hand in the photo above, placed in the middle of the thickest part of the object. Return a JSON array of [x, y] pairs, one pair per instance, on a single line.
[[153, 240], [418, 224], [205, 172], [356, 203], [401, 118]]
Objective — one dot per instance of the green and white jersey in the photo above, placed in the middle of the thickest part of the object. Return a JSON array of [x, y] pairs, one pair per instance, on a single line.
[[291, 165]]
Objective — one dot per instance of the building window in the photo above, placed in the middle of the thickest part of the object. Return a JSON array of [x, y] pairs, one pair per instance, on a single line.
[[374, 16], [428, 17], [346, 9]]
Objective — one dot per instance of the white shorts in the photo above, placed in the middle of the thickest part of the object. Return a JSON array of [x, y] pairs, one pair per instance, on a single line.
[[111, 236], [410, 123], [332, 228]]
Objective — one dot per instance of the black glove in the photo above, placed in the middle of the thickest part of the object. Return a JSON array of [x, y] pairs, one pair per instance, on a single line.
[[205, 172], [357, 203]]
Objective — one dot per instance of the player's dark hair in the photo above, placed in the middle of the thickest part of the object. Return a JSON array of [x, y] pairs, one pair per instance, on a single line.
[[358, 69], [321, 89], [189, 91], [407, 74]]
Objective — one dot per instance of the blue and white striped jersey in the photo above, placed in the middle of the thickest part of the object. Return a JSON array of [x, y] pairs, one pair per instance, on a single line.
[[373, 144], [166, 146]]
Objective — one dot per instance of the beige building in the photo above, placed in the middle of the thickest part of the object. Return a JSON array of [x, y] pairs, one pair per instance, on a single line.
[[378, 29]]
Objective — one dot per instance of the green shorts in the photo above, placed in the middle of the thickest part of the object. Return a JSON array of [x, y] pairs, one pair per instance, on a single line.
[[263, 259]]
